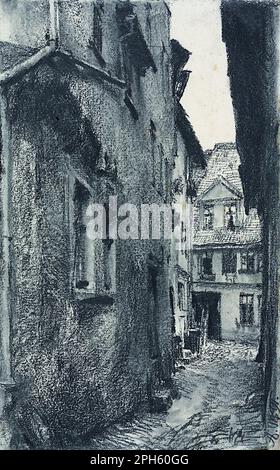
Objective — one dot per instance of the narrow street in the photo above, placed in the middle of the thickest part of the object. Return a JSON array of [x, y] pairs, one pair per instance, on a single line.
[[219, 408]]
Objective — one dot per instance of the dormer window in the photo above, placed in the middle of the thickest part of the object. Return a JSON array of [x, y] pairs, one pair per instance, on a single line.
[[230, 216], [208, 217]]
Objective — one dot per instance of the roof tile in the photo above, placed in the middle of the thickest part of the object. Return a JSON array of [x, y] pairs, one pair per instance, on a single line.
[[223, 161]]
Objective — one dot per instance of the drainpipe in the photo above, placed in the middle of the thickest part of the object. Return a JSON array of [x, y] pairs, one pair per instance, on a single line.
[[6, 381], [54, 22]]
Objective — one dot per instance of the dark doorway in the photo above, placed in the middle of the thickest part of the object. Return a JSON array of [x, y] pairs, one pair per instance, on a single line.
[[207, 312]]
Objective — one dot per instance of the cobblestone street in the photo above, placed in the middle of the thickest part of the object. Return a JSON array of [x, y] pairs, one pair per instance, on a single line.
[[219, 408]]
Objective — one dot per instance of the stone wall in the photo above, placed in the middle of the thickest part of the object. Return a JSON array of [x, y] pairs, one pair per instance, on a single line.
[[81, 363]]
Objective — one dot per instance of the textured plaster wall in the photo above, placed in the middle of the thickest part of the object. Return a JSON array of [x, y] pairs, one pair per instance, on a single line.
[[80, 364]]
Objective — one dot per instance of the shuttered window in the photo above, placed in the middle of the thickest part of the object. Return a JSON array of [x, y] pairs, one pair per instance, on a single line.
[[229, 263]]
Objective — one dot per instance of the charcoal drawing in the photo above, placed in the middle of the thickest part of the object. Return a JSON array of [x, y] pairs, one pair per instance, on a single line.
[[139, 225]]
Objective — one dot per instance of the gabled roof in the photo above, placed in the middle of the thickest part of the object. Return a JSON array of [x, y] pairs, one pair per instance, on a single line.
[[221, 180], [223, 161], [223, 167]]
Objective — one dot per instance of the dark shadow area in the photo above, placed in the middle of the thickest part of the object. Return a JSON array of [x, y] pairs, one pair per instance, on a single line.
[[250, 32]]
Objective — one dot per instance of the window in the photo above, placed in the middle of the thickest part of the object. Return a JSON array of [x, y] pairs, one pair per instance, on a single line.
[[159, 165], [205, 263], [181, 296], [247, 262], [259, 262], [246, 309], [95, 259], [109, 257], [84, 251], [208, 217], [229, 262], [161, 176], [259, 308], [173, 220], [230, 216], [97, 26], [153, 135], [167, 178], [183, 237]]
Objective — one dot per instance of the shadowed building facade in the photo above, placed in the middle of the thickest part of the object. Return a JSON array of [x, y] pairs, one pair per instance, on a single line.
[[87, 112], [251, 35]]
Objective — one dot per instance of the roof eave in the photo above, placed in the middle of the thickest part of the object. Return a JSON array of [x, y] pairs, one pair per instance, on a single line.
[[23, 67], [183, 124], [224, 182], [216, 246]]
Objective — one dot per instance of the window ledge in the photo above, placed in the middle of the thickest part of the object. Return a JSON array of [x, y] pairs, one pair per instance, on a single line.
[[95, 297], [230, 275], [241, 271], [7, 383], [208, 277]]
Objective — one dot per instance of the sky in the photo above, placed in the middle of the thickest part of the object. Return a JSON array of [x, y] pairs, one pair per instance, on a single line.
[[196, 24]]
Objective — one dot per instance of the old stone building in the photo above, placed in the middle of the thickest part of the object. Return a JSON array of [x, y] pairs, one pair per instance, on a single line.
[[87, 112], [189, 158], [227, 254]]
